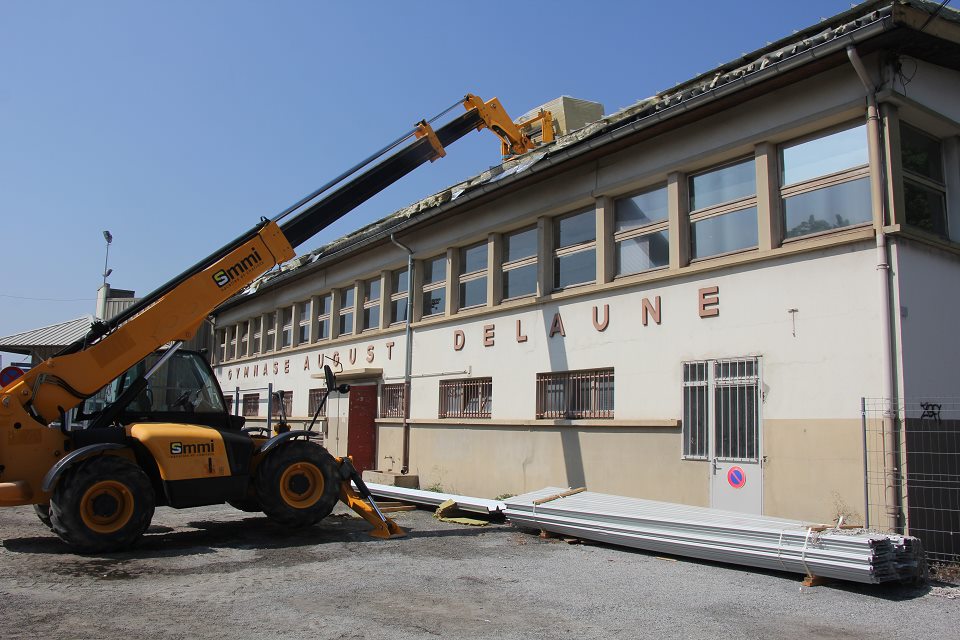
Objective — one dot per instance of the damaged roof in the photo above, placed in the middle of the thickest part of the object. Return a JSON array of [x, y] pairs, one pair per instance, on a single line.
[[831, 36]]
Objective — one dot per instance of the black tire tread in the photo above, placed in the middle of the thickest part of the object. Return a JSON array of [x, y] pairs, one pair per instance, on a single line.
[[43, 512], [267, 481]]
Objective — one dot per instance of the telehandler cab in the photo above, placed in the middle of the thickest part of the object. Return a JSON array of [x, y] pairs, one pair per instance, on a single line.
[[157, 430]]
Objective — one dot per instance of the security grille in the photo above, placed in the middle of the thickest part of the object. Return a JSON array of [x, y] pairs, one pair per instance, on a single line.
[[251, 404], [575, 394], [287, 404], [466, 398], [733, 387], [313, 402], [393, 400]]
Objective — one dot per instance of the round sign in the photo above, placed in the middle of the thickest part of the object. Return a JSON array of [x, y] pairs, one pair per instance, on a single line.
[[9, 374], [736, 477]]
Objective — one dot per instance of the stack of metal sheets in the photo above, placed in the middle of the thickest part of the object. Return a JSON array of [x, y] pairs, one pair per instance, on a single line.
[[721, 536], [435, 499]]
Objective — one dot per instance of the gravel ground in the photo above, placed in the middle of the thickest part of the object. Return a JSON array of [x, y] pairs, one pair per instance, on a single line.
[[218, 573]]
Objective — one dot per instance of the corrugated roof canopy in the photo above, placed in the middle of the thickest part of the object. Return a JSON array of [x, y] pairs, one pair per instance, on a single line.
[[55, 335]]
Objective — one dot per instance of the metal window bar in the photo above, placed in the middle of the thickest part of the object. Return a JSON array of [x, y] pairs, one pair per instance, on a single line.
[[695, 407], [393, 400], [251, 404], [921, 492], [466, 398], [736, 409], [575, 394]]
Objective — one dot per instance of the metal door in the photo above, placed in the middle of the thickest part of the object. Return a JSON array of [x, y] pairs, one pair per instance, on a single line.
[[736, 480], [361, 426], [721, 405]]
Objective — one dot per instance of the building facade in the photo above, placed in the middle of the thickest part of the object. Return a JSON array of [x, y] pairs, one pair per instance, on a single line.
[[683, 301]]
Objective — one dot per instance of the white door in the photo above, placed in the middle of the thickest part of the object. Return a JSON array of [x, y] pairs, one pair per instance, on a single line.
[[722, 405]]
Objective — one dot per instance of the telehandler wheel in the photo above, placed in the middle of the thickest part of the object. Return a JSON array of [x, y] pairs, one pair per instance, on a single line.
[[249, 503], [43, 512], [105, 503], [298, 483]]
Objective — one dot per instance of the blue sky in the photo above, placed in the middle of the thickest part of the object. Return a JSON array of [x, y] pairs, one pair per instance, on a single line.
[[176, 125]]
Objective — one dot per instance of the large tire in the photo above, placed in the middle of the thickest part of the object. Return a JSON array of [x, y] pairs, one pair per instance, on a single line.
[[104, 503], [249, 503], [298, 484], [43, 512]]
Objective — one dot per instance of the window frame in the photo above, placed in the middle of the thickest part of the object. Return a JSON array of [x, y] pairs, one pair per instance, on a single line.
[[924, 182], [722, 208], [472, 276], [559, 252], [302, 322], [347, 310], [286, 327], [370, 303], [649, 228], [270, 332], [256, 335], [518, 263], [396, 296], [430, 287], [323, 317], [594, 377]]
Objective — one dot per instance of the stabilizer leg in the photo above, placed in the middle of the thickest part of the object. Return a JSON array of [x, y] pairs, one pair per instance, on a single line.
[[383, 527]]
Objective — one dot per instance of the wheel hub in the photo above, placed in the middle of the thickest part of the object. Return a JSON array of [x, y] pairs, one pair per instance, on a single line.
[[104, 505]]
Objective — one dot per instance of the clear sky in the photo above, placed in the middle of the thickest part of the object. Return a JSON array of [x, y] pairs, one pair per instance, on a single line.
[[177, 125]]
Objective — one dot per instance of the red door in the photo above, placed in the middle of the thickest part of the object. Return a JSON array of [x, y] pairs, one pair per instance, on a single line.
[[361, 431]]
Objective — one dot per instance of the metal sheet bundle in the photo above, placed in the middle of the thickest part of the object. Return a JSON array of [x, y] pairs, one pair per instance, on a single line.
[[721, 536], [435, 499]]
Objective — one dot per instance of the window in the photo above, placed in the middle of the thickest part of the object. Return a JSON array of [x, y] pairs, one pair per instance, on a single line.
[[575, 253], [232, 344], [221, 345], [286, 324], [826, 183], [466, 398], [575, 394], [640, 231], [313, 402], [399, 288], [286, 397], [434, 286], [270, 331], [393, 400], [255, 325], [371, 304], [324, 304], [244, 341], [721, 409], [723, 210], [924, 190], [251, 404], [473, 276], [303, 322], [519, 263], [347, 301], [228, 401]]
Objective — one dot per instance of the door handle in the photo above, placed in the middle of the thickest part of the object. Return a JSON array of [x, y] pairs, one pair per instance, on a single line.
[[716, 467]]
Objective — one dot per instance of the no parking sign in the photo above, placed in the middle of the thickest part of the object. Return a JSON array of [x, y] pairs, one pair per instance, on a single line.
[[736, 477], [9, 374]]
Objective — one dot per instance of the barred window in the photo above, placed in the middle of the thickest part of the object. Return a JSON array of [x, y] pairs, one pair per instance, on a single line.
[[695, 418], [313, 402], [519, 263], [466, 398], [393, 400], [723, 209], [641, 231], [251, 404], [287, 398], [228, 401], [575, 394], [721, 409]]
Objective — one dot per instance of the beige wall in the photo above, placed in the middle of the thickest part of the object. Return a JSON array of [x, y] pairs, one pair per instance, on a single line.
[[813, 469]]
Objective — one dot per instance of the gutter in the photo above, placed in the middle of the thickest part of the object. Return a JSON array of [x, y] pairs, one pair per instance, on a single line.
[[408, 357]]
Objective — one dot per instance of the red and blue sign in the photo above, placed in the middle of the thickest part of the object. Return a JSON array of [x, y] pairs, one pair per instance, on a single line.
[[9, 374], [736, 477]]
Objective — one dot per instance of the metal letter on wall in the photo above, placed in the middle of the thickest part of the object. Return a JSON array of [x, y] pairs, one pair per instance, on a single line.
[[557, 326], [488, 335], [458, 340], [521, 337], [601, 326], [709, 298]]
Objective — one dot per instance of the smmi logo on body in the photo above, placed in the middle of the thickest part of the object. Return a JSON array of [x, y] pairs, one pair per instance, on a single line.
[[223, 277], [191, 448]]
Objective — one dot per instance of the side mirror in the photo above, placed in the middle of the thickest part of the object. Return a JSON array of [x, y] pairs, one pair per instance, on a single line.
[[331, 379]]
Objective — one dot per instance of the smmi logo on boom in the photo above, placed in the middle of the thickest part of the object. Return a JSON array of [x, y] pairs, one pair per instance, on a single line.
[[225, 276], [189, 448]]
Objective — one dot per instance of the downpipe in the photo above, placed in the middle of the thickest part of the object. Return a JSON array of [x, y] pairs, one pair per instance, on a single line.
[[408, 358], [889, 393]]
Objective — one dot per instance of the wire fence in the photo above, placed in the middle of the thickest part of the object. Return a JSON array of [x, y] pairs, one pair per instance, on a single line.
[[912, 471]]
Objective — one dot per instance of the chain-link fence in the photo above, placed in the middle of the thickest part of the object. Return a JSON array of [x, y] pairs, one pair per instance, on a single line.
[[912, 471]]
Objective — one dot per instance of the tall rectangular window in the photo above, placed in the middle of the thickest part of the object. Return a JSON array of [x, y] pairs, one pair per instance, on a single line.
[[575, 249], [270, 332], [221, 345], [393, 400], [519, 263], [924, 189], [696, 439], [324, 305], [286, 327], [466, 398], [721, 409], [826, 183], [575, 394], [371, 304], [232, 344], [303, 322], [255, 331], [399, 288], [243, 342], [347, 302], [723, 209], [251, 404], [313, 402], [228, 402], [640, 231], [473, 276], [434, 286]]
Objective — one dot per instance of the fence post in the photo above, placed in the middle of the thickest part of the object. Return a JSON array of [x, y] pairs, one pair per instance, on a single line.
[[236, 401], [269, 409], [866, 465]]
